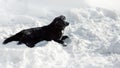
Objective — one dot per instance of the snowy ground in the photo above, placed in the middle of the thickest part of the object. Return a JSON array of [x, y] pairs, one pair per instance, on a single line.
[[94, 34]]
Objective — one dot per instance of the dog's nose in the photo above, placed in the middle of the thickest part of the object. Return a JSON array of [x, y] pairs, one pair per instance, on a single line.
[[67, 23]]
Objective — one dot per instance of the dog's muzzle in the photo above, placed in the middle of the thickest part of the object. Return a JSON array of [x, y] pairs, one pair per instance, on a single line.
[[66, 23]]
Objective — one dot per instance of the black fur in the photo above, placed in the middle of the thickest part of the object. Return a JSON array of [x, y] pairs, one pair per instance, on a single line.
[[50, 32]]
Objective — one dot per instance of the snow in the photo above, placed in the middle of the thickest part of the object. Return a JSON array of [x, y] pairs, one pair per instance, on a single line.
[[94, 33]]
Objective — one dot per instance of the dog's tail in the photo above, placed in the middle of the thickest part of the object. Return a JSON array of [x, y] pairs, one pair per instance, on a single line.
[[12, 38]]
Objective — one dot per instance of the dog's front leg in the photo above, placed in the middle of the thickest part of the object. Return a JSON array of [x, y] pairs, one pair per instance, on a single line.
[[64, 37]]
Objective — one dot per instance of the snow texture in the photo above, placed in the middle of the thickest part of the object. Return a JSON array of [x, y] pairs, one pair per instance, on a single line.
[[94, 35]]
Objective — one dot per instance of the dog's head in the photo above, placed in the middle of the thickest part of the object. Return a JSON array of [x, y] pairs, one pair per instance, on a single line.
[[60, 23]]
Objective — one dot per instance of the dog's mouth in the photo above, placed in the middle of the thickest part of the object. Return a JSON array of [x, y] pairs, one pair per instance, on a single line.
[[62, 27]]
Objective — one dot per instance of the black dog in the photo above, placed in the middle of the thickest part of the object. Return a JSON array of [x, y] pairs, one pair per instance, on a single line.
[[50, 32]]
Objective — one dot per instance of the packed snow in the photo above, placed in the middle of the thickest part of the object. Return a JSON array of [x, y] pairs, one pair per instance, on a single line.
[[94, 33]]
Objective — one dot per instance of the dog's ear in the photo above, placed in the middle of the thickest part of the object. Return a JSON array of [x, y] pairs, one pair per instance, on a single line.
[[62, 17]]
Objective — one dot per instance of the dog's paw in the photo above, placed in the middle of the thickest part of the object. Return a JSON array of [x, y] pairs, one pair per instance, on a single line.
[[64, 45], [64, 37]]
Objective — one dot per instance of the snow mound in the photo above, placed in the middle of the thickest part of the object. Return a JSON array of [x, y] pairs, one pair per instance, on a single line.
[[94, 37]]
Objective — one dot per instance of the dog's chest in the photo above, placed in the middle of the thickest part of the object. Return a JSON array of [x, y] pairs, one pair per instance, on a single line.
[[55, 34]]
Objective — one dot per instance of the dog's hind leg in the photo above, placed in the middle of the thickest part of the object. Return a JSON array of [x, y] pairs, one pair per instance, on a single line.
[[30, 45], [19, 43], [28, 41]]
